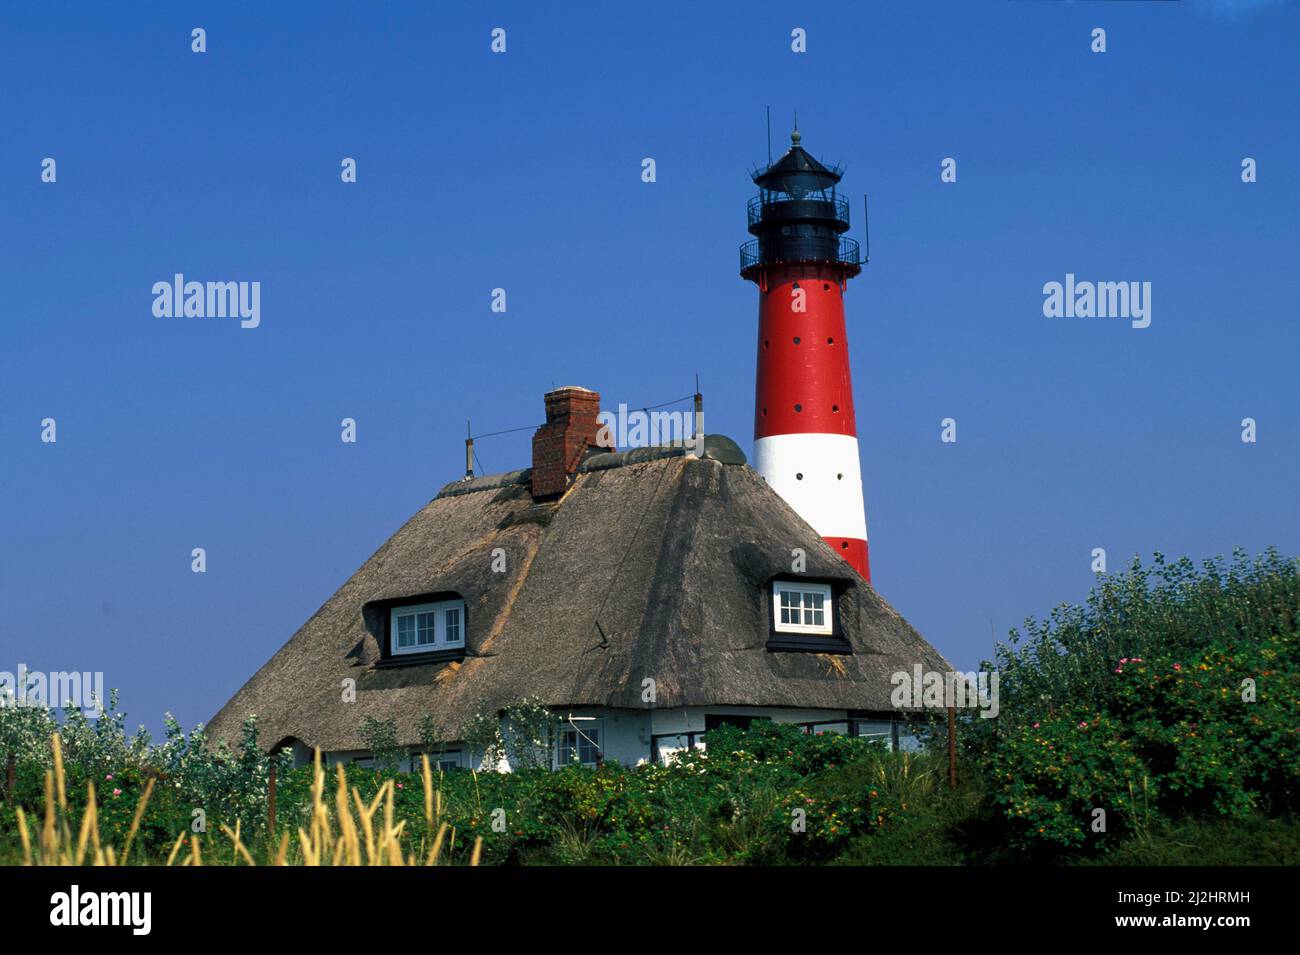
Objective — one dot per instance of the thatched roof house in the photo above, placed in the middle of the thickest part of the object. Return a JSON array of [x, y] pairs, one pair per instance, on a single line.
[[642, 588]]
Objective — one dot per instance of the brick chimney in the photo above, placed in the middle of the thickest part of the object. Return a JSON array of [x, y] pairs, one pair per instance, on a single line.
[[561, 444]]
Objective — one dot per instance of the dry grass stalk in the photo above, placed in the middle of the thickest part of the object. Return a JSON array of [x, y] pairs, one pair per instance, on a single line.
[[56, 845], [363, 837]]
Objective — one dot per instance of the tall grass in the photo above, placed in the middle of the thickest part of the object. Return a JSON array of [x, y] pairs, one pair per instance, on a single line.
[[354, 832]]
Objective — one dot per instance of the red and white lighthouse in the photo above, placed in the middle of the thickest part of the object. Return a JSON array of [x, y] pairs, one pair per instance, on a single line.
[[805, 435]]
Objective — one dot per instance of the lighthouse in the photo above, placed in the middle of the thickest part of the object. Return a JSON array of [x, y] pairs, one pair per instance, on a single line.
[[805, 434]]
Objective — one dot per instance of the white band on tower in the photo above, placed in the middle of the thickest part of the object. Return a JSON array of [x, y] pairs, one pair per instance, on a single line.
[[819, 476]]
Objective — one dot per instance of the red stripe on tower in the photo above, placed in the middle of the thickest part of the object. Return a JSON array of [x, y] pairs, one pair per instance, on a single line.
[[805, 433]]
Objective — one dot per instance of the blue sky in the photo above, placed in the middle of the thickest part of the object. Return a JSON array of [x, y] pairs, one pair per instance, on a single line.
[[522, 171]]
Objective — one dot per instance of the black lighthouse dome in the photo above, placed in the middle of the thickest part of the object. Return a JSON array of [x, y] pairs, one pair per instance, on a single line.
[[797, 216]]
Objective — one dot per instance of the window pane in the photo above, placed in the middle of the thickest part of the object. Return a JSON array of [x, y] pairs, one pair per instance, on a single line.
[[790, 606], [424, 623], [814, 616], [453, 625], [406, 630], [564, 752], [580, 747]]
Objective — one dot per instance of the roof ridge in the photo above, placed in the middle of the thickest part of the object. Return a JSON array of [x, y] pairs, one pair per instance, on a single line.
[[717, 447]]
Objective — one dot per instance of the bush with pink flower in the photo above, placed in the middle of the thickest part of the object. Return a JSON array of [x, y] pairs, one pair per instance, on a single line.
[[1174, 692]]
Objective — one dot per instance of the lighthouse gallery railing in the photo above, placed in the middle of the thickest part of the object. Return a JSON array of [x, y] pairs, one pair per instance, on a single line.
[[802, 249]]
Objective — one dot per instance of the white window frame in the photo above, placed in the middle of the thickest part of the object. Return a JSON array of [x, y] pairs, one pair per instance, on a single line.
[[800, 587], [594, 730], [436, 760], [439, 610], [452, 758]]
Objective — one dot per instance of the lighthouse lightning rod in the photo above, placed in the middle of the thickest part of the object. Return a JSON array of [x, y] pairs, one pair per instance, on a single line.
[[866, 231]]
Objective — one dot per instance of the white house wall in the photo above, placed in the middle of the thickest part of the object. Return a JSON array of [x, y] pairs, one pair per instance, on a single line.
[[626, 736]]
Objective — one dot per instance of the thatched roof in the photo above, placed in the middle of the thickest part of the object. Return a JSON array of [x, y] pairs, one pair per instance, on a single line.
[[653, 564]]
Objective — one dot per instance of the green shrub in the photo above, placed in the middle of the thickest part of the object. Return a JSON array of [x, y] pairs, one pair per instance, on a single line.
[[1053, 776], [1173, 691], [1218, 727], [1134, 704]]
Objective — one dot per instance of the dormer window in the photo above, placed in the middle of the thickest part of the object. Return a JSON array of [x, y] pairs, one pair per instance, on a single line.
[[427, 627], [802, 616], [801, 607]]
